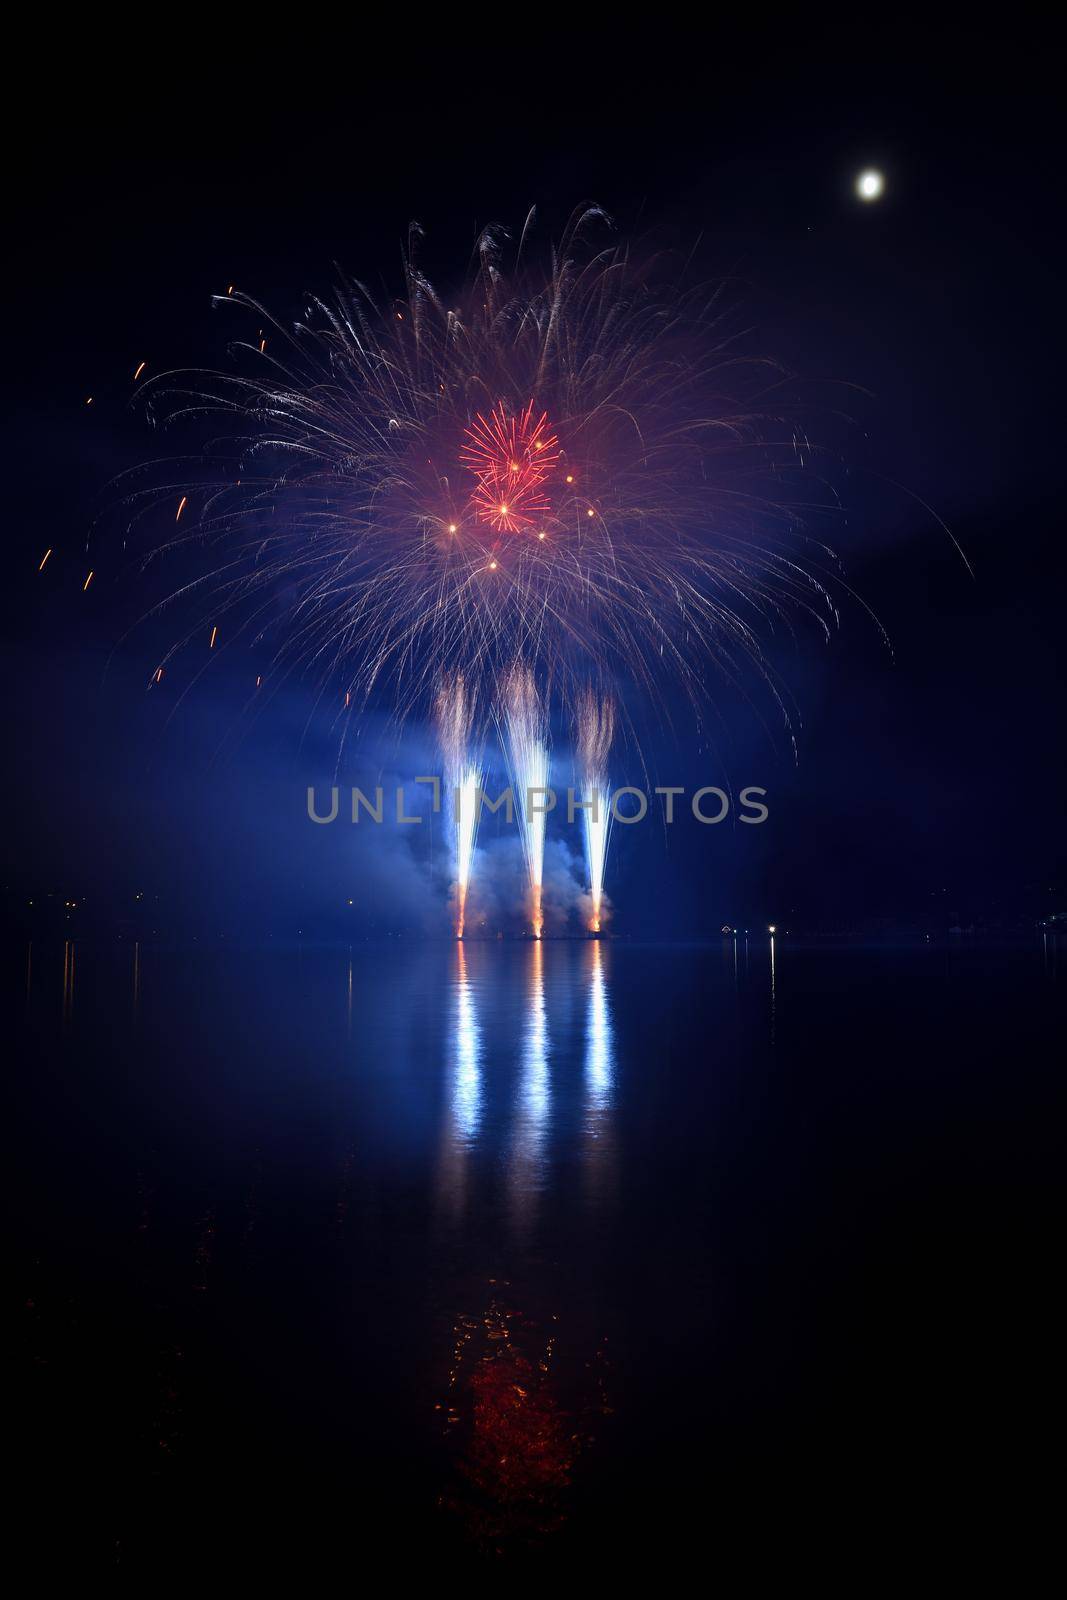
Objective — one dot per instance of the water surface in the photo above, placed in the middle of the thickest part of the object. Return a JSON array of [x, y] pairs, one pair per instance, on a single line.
[[560, 1253]]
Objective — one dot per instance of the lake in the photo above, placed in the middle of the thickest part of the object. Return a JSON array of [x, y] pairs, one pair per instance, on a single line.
[[562, 1255]]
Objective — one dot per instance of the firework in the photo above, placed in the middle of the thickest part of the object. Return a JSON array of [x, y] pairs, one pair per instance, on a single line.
[[511, 457], [596, 727], [527, 745], [463, 781], [570, 466]]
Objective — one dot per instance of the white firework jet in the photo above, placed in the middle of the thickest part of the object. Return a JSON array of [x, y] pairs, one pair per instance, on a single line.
[[596, 728], [526, 725], [463, 782]]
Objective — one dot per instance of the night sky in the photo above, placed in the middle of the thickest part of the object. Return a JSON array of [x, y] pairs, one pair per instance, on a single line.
[[926, 776]]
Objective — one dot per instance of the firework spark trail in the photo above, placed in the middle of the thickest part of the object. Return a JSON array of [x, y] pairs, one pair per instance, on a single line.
[[596, 728], [463, 782], [528, 760]]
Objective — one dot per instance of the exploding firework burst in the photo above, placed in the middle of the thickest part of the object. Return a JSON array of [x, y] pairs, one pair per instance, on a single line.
[[511, 457], [563, 467]]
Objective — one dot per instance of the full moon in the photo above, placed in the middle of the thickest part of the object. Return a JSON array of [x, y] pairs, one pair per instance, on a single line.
[[870, 185]]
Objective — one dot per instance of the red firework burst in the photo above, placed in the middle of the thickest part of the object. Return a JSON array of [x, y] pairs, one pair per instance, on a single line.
[[511, 457]]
